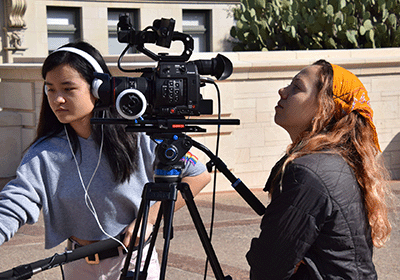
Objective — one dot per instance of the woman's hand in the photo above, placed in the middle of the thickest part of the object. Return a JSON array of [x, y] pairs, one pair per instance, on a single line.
[[129, 230]]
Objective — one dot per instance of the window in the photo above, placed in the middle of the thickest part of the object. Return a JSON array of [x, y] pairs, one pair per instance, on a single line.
[[197, 24], [62, 26], [115, 47]]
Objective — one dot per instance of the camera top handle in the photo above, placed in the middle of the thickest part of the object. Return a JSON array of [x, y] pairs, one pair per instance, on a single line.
[[162, 33], [187, 41]]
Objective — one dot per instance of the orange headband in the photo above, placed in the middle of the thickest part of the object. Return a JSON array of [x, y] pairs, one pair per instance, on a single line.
[[349, 95]]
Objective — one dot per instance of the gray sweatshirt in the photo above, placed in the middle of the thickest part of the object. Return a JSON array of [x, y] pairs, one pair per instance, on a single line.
[[47, 179]]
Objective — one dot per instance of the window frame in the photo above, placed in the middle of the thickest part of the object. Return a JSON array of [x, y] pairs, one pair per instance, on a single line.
[[204, 30], [134, 15], [73, 29]]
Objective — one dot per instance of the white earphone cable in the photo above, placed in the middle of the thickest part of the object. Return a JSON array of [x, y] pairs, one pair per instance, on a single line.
[[88, 201]]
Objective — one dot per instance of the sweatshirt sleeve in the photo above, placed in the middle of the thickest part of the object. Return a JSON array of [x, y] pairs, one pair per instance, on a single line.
[[193, 166], [20, 199], [291, 224]]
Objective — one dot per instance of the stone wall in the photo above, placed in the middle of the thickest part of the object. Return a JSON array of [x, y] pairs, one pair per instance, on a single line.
[[250, 94]]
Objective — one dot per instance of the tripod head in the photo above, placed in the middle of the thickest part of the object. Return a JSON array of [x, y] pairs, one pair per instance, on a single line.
[[170, 150]]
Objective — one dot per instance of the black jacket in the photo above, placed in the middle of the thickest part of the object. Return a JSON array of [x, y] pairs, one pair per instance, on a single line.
[[317, 217]]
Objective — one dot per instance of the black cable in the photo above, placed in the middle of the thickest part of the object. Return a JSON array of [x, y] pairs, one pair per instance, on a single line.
[[131, 70], [121, 56], [215, 170], [62, 272], [50, 264]]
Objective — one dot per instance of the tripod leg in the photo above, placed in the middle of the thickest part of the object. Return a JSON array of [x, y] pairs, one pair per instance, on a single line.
[[167, 194], [194, 213], [143, 274], [143, 212], [168, 229]]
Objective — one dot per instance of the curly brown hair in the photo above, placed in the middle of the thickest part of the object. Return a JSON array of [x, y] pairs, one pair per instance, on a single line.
[[351, 137]]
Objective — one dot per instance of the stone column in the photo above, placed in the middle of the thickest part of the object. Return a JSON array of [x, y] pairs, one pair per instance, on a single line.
[[14, 28]]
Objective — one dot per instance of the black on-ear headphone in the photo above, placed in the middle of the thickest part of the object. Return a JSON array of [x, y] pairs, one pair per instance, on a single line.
[[96, 82]]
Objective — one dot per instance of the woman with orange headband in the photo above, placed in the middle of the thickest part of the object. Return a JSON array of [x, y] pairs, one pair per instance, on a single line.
[[328, 205]]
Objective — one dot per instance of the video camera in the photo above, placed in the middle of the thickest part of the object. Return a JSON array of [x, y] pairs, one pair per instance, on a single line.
[[172, 89]]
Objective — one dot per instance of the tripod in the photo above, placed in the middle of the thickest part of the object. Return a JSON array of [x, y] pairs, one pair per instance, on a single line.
[[167, 184], [168, 170]]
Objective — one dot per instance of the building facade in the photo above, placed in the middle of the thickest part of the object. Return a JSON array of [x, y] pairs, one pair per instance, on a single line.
[[35, 27], [249, 94], [31, 29]]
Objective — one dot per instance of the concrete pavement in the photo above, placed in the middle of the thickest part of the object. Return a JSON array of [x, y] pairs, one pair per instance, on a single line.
[[234, 227]]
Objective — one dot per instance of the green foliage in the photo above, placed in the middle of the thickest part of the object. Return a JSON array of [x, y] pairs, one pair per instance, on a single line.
[[316, 24]]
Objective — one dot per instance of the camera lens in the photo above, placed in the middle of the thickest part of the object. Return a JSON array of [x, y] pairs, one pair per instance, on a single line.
[[131, 104]]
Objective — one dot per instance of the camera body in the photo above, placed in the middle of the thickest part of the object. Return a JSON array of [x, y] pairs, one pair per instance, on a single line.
[[172, 88]]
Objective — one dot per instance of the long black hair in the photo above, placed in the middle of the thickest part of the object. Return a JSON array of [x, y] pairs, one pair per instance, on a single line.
[[120, 147]]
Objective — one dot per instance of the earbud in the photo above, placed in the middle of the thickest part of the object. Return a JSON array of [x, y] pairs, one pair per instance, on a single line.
[[96, 82]]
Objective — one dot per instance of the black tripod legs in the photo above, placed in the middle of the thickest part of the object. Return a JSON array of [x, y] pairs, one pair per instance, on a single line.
[[167, 194]]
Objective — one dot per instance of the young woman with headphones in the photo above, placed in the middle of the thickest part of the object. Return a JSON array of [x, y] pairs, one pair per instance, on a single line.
[[87, 179]]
